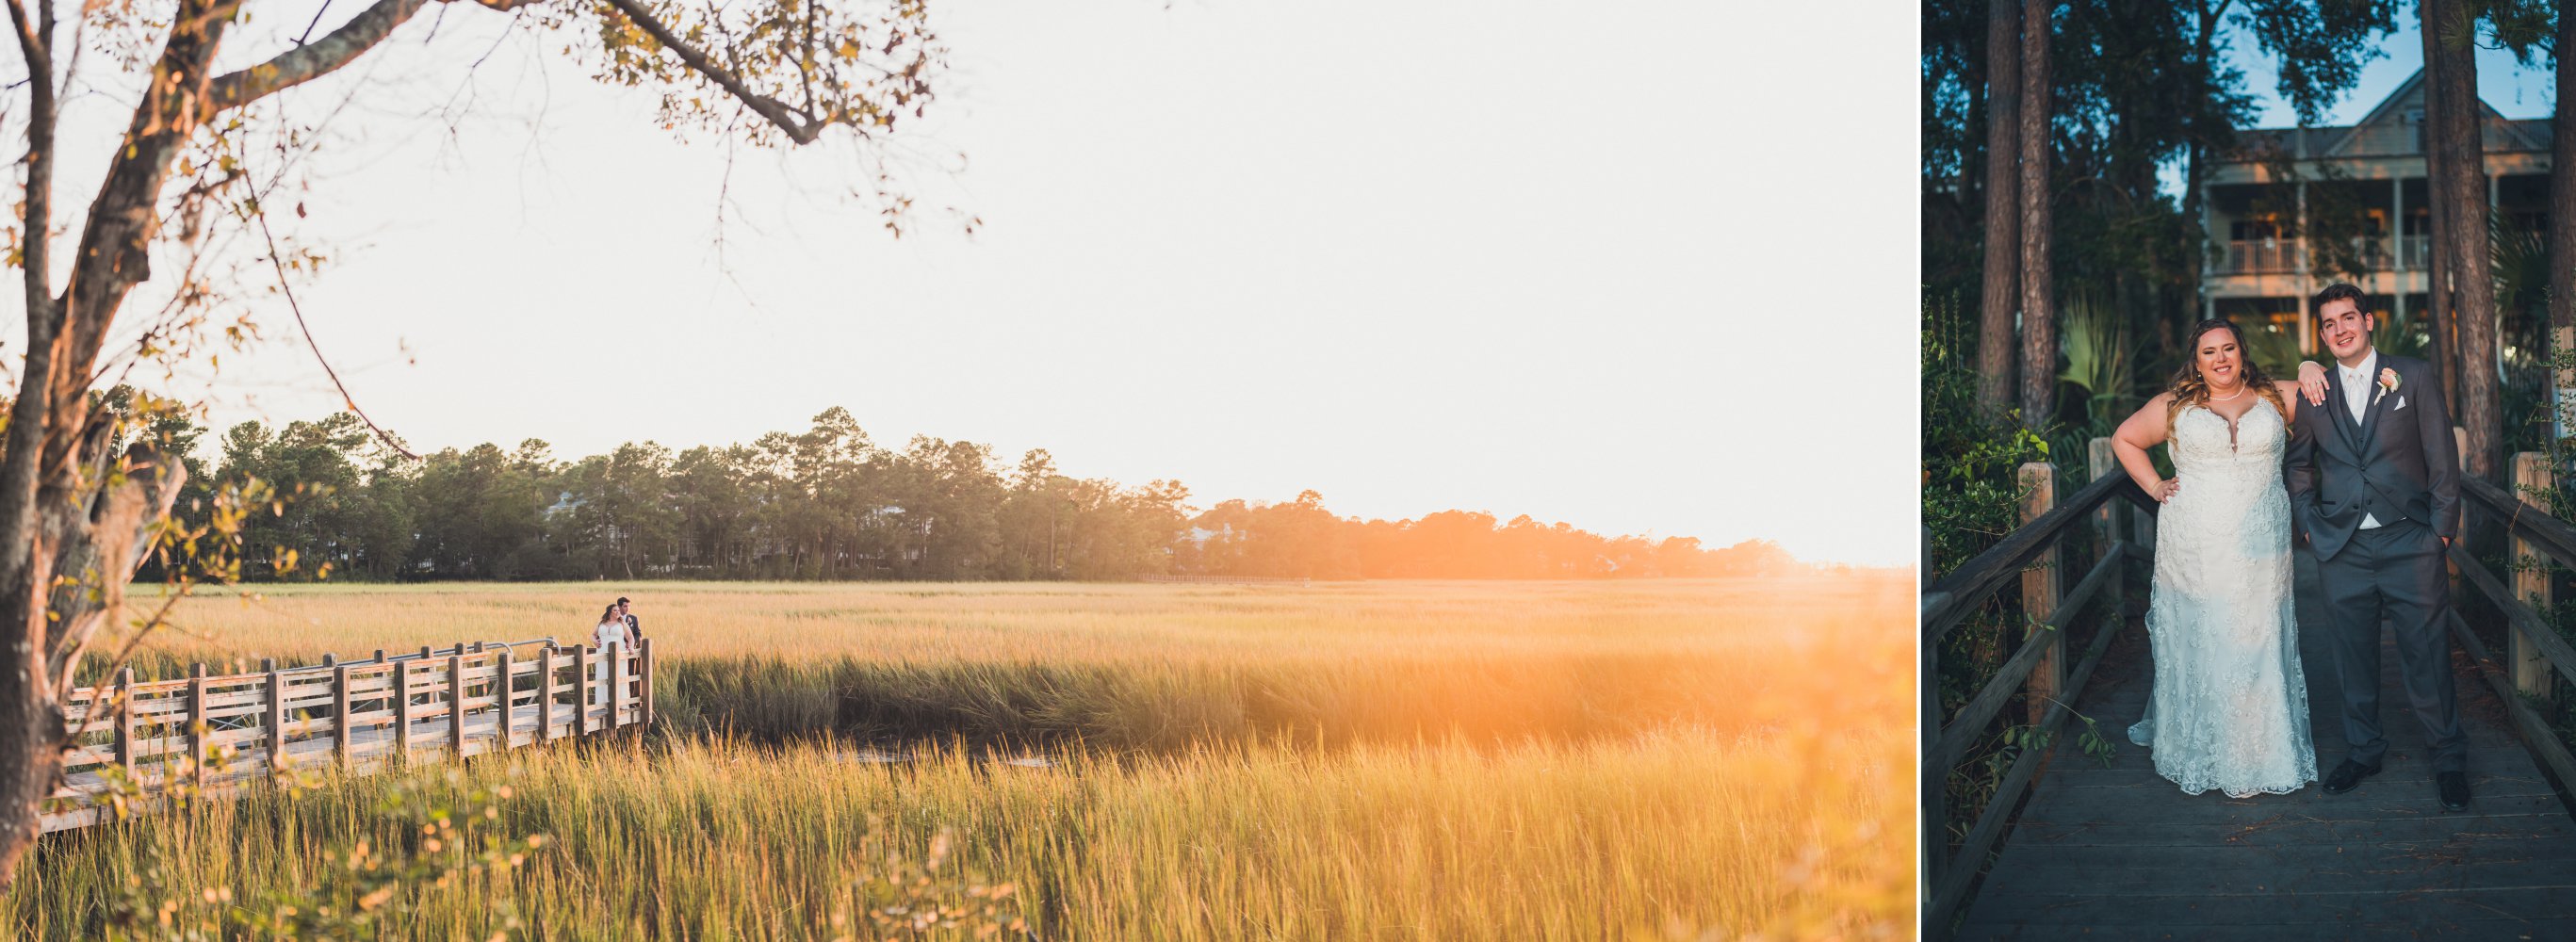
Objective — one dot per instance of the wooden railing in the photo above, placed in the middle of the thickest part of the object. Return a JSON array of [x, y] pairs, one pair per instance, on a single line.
[[2533, 650], [2036, 669], [141, 743], [2283, 255]]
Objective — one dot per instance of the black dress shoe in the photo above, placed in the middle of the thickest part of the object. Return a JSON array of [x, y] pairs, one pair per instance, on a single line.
[[2350, 773], [2455, 790]]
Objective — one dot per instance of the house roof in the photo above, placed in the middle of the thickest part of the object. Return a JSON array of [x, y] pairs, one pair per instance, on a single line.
[[2384, 132]]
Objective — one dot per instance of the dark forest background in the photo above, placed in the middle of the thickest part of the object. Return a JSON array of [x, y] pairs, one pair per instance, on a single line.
[[327, 500]]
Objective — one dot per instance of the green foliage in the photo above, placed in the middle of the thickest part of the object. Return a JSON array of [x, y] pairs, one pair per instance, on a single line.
[[2277, 353], [324, 499], [2099, 359], [2089, 740], [1970, 498]]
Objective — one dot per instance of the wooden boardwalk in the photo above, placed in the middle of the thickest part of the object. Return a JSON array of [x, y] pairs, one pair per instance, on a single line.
[[210, 735], [2121, 853]]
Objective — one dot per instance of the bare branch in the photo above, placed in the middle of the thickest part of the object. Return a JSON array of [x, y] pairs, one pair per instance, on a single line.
[[801, 129], [289, 290], [313, 60]]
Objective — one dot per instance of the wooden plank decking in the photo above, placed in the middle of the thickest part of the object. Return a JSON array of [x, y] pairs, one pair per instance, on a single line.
[[2121, 853], [217, 734]]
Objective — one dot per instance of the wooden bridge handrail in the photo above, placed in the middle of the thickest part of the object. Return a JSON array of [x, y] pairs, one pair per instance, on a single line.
[[1948, 602], [2548, 534], [2036, 667], [1960, 731], [1951, 887], [174, 733], [2533, 649], [2535, 731], [328, 665], [2517, 614]]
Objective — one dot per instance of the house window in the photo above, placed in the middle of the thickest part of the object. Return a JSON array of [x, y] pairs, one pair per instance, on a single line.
[[2243, 230]]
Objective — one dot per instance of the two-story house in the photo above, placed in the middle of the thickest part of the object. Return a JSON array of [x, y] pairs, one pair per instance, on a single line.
[[2262, 281]]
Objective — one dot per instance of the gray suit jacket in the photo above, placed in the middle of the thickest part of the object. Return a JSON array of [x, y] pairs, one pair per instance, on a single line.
[[2397, 463]]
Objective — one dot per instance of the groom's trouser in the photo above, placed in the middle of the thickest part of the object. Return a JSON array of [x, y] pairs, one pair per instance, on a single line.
[[2395, 572]]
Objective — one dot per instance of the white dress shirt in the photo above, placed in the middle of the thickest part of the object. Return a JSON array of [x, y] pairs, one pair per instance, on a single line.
[[2358, 382]]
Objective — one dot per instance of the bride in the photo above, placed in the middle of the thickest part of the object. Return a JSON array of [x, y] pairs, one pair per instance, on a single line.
[[2230, 704]]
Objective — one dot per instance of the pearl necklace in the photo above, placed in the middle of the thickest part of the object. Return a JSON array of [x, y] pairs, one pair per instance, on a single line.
[[2239, 393]]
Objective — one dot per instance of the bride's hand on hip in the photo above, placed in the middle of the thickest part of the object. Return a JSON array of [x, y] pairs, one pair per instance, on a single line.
[[2312, 381], [2165, 490]]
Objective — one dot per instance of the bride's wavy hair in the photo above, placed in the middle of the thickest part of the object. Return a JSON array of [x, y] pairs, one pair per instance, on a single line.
[[2191, 389]]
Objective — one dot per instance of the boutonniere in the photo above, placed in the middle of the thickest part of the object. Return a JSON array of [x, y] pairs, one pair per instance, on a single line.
[[2387, 383]]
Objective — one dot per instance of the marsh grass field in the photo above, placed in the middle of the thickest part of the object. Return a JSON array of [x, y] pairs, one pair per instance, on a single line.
[[1379, 760]]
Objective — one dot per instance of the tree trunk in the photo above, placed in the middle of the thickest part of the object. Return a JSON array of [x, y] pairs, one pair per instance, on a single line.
[[64, 517], [2003, 197], [2195, 177], [2562, 232], [2038, 307], [2463, 197], [92, 528], [2442, 339]]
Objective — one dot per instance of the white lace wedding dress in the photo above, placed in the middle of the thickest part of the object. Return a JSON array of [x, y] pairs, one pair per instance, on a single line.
[[2230, 706]]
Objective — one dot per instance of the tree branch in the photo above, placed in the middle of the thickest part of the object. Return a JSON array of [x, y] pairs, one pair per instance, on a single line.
[[25, 441], [313, 60], [802, 130], [289, 290]]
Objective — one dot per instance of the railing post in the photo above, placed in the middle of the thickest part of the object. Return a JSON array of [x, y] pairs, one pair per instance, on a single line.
[[2563, 382], [581, 686], [644, 657], [616, 655], [2531, 670], [456, 703], [2107, 536], [2106, 521], [507, 688], [2039, 589], [197, 724], [125, 719], [545, 694], [1929, 576], [401, 681], [340, 733], [1936, 785], [276, 718]]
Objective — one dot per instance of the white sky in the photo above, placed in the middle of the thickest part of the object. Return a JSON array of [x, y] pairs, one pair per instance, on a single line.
[[1643, 268]]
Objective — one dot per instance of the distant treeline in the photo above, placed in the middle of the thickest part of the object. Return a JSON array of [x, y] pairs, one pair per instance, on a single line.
[[828, 503]]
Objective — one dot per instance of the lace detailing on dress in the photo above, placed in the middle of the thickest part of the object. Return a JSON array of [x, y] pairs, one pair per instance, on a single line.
[[2230, 704]]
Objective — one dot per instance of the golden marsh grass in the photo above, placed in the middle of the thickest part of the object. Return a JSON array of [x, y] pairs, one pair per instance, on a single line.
[[1502, 761]]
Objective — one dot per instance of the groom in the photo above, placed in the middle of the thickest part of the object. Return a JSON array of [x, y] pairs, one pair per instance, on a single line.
[[2374, 486]]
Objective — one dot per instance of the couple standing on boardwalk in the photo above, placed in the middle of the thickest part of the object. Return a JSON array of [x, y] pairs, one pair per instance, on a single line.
[[2368, 476], [618, 627]]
